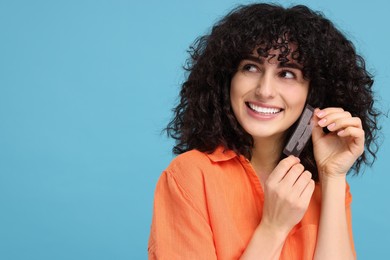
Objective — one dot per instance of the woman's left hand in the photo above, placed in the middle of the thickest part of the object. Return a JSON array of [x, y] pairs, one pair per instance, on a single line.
[[337, 151]]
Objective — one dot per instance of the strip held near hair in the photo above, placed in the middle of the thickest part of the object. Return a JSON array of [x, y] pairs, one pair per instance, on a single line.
[[301, 134]]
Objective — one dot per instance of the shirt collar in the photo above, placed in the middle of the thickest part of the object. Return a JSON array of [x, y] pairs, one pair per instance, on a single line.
[[221, 154]]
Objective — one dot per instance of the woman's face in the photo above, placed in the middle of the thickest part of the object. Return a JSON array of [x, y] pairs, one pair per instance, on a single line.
[[267, 97]]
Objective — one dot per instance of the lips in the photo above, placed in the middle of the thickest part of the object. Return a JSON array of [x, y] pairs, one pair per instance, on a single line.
[[262, 109]]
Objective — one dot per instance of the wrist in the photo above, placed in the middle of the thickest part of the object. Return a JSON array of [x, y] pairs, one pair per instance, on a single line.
[[333, 182], [326, 175], [266, 243], [276, 232]]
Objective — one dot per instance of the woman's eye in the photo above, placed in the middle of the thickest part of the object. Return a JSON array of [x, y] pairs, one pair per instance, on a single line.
[[250, 68], [287, 74]]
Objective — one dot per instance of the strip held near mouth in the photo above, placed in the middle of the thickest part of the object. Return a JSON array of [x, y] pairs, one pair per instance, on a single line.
[[301, 134]]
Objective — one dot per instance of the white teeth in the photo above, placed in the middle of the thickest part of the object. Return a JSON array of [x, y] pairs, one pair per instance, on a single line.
[[264, 110]]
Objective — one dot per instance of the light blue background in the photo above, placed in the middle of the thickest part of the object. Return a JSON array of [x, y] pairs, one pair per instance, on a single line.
[[86, 87]]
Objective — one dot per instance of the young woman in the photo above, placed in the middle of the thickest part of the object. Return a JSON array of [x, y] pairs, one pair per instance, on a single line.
[[231, 193]]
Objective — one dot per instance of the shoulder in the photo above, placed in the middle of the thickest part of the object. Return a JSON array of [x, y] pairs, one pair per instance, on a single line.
[[196, 161], [184, 179], [189, 167], [196, 167], [189, 161]]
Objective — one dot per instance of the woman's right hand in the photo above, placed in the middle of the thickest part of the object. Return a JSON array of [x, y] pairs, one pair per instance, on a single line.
[[287, 194]]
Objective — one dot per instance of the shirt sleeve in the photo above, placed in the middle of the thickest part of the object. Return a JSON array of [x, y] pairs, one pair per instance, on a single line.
[[180, 228]]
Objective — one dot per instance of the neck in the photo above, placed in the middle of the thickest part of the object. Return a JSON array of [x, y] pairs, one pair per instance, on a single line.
[[265, 156]]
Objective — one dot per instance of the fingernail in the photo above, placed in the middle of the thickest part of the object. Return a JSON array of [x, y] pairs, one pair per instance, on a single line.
[[320, 113], [340, 132], [322, 122], [331, 126]]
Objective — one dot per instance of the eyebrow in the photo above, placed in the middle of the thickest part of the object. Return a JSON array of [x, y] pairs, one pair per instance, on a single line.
[[291, 65]]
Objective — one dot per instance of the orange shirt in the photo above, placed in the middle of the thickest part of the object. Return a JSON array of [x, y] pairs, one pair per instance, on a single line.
[[207, 206]]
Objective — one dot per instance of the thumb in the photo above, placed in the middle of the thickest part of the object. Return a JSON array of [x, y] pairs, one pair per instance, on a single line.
[[317, 131]]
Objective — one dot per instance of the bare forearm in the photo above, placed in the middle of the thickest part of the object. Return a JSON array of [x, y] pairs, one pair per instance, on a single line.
[[265, 244], [333, 240]]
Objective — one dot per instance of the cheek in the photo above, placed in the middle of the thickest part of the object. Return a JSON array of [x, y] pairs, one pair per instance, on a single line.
[[234, 91], [241, 85], [298, 96]]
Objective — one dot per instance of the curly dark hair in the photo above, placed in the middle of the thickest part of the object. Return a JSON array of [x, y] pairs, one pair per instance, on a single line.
[[204, 119]]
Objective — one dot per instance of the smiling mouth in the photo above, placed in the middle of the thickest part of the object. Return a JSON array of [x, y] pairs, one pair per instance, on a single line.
[[263, 110]]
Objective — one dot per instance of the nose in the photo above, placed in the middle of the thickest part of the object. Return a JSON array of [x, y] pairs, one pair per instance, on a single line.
[[265, 86]]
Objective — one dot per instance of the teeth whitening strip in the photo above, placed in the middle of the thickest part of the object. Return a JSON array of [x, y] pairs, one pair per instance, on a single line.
[[301, 134]]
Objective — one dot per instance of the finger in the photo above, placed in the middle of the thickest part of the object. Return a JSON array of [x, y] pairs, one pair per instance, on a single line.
[[332, 117], [358, 137], [301, 183], [307, 193], [317, 131], [293, 175], [326, 117], [282, 168], [342, 123], [351, 132], [320, 113]]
